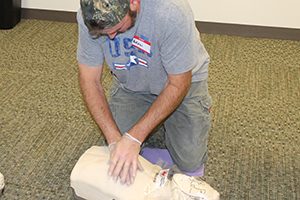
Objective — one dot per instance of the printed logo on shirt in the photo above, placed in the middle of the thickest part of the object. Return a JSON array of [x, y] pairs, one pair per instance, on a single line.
[[119, 66], [133, 61], [123, 47]]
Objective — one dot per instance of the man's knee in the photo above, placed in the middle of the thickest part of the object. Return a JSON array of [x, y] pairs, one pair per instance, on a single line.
[[190, 162]]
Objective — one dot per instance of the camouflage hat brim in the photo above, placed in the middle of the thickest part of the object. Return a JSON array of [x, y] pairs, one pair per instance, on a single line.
[[102, 14]]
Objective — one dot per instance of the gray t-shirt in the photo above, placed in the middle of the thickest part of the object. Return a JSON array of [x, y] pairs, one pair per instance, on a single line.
[[164, 40]]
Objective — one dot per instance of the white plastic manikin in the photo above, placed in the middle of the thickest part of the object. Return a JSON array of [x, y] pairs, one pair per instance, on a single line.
[[90, 181]]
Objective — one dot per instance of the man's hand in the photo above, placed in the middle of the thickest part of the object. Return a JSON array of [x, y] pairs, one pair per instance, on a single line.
[[124, 161]]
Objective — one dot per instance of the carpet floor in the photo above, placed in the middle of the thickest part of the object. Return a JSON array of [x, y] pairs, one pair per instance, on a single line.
[[254, 149]]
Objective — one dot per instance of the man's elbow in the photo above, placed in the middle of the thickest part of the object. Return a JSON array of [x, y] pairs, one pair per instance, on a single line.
[[182, 82], [89, 75]]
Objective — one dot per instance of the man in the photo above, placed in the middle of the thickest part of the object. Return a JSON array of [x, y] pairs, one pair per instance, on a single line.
[[154, 52]]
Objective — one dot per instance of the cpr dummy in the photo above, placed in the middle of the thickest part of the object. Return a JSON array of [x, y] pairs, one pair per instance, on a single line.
[[90, 181]]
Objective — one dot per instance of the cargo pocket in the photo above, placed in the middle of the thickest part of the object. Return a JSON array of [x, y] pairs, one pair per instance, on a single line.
[[206, 103]]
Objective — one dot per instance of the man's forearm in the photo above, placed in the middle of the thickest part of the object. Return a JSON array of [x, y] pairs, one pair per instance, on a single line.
[[162, 107], [97, 104]]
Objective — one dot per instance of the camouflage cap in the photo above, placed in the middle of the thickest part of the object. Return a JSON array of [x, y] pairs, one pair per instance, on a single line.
[[101, 14]]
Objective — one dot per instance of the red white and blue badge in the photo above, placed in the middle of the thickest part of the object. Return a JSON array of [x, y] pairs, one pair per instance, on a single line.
[[142, 44]]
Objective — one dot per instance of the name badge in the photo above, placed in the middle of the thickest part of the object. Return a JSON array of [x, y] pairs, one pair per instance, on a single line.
[[141, 44]]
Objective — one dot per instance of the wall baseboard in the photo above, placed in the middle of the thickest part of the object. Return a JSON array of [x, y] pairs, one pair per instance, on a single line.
[[51, 15], [203, 27], [249, 30]]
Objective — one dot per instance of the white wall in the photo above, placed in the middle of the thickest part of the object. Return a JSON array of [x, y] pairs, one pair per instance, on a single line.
[[65, 5], [274, 13]]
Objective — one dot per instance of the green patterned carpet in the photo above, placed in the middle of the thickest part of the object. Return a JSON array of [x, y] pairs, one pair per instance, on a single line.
[[45, 127]]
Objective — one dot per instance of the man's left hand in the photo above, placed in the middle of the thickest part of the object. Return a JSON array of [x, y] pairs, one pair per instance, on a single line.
[[124, 161]]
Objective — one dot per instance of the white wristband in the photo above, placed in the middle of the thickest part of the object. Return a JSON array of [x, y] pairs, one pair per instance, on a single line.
[[132, 138], [110, 145]]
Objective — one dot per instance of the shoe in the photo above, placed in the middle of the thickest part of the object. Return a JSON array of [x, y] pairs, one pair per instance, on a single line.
[[162, 158], [156, 156], [1, 184], [189, 188]]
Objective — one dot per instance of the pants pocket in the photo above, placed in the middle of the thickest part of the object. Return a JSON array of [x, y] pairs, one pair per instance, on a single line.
[[206, 103]]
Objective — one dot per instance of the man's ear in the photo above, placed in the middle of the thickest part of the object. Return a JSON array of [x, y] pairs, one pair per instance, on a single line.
[[134, 5]]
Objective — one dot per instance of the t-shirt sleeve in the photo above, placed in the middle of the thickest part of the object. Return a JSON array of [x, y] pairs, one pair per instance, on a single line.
[[179, 42], [89, 51]]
